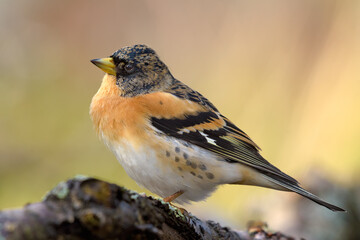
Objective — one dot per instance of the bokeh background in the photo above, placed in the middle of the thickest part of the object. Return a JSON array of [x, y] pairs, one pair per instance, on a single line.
[[286, 72]]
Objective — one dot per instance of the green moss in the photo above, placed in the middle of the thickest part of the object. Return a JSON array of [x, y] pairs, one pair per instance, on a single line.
[[60, 191], [173, 209], [81, 177], [133, 194], [177, 212]]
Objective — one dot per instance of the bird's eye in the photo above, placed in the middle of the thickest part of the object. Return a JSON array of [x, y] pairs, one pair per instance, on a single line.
[[129, 68]]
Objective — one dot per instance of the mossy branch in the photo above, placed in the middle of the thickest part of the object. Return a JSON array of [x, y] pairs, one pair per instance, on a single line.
[[88, 208]]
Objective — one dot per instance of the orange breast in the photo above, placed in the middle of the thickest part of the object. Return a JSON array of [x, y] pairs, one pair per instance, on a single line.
[[118, 118]]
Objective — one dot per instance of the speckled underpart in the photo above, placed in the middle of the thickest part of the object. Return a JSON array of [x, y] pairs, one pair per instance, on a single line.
[[171, 172], [185, 164], [202, 166], [209, 175], [188, 162]]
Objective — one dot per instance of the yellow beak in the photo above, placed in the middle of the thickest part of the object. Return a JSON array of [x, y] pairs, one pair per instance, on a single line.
[[105, 64]]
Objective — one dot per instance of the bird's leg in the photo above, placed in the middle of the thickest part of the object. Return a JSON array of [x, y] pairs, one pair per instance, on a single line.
[[171, 198]]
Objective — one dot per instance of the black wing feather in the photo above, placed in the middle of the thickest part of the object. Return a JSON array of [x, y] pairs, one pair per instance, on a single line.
[[231, 149]]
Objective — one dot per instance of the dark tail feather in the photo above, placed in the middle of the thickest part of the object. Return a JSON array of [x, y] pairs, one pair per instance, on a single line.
[[296, 188]]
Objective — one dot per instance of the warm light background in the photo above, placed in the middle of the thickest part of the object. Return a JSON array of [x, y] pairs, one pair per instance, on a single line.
[[286, 72]]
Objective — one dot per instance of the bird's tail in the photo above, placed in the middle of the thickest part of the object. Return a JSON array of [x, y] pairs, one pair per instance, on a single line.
[[299, 190]]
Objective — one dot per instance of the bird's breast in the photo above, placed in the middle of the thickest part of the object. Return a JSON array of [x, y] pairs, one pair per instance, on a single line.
[[118, 118]]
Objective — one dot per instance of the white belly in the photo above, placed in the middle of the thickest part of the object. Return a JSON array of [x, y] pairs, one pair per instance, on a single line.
[[164, 177]]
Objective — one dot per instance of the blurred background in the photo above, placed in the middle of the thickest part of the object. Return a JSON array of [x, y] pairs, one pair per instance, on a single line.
[[286, 72]]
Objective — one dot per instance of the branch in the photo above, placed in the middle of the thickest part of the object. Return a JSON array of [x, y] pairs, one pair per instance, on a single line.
[[88, 208]]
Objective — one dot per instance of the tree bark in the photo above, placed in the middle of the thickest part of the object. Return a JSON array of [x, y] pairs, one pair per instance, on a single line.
[[88, 208]]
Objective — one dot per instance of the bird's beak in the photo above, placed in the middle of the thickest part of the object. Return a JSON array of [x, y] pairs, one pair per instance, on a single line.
[[105, 64]]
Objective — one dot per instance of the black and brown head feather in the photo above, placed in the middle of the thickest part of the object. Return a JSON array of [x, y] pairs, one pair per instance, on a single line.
[[140, 71]]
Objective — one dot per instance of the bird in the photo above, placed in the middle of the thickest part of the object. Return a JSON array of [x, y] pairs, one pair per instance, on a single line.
[[171, 139]]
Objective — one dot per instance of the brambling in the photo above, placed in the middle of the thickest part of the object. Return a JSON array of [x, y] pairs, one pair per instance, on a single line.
[[172, 140]]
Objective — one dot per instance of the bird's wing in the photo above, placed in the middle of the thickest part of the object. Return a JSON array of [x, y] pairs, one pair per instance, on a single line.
[[208, 129], [212, 131]]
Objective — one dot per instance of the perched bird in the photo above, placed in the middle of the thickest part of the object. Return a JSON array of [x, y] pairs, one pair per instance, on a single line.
[[172, 140]]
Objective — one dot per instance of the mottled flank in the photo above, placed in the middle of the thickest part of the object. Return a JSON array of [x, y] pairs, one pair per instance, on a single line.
[[177, 159], [180, 169], [186, 144], [192, 173], [167, 153], [199, 176], [188, 163], [202, 167], [177, 149], [185, 155], [209, 175], [216, 134], [193, 165]]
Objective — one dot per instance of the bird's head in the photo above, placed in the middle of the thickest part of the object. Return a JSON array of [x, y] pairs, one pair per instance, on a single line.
[[138, 70]]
